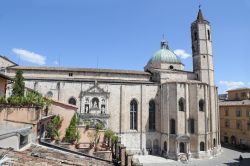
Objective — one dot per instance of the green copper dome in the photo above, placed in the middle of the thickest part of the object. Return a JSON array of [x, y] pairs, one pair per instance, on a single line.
[[164, 55]]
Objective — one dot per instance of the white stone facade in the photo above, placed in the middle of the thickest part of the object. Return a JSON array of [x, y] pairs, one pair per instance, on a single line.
[[185, 120]]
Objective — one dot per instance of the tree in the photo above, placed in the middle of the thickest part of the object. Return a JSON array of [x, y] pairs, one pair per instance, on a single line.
[[108, 134], [54, 126], [72, 133], [18, 87]]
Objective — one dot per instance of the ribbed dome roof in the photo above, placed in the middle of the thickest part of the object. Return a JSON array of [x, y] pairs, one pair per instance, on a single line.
[[165, 55]]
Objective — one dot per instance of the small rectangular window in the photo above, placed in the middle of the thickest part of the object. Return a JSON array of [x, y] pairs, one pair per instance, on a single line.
[[226, 112], [70, 74], [238, 113], [248, 113], [238, 124]]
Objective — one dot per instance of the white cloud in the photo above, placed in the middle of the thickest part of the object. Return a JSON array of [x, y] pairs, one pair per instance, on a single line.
[[181, 53], [30, 56], [232, 84]]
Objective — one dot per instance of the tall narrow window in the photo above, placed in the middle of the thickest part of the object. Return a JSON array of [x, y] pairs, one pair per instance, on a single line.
[[248, 125], [238, 124], [152, 115], [201, 105], [195, 36], [172, 126], [191, 122], [133, 115], [72, 101], [214, 142], [248, 113], [226, 112], [181, 104], [202, 146], [238, 113], [208, 34], [227, 123]]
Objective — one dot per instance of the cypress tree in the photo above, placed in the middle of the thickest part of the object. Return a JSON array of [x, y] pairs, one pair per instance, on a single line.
[[18, 87]]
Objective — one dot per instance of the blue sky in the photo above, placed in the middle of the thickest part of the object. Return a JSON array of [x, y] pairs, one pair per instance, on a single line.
[[124, 34]]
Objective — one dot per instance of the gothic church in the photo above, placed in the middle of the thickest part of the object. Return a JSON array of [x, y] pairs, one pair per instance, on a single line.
[[164, 109]]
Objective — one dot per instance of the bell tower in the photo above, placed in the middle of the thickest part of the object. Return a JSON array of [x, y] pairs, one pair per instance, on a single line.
[[202, 50]]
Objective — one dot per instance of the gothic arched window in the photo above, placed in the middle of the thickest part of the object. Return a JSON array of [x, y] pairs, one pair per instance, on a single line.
[[133, 115], [202, 146], [152, 115], [181, 104], [172, 126], [201, 105], [72, 101], [195, 36]]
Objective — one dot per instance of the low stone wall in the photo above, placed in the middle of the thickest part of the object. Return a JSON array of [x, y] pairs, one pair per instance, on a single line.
[[70, 150], [85, 132]]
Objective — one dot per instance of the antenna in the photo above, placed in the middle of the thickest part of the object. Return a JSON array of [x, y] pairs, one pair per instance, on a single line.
[[163, 36], [59, 61], [97, 62]]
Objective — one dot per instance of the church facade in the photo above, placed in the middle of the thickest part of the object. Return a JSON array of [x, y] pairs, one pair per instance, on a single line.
[[164, 109]]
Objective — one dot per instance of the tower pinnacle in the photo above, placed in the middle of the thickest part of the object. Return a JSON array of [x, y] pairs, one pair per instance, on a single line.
[[200, 17]]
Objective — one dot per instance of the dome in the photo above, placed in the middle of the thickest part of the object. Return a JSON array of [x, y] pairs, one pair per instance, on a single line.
[[164, 55]]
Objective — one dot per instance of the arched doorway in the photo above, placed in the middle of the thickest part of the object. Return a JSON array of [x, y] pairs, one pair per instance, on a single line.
[[156, 146], [233, 139], [202, 146], [165, 146], [149, 146], [182, 147]]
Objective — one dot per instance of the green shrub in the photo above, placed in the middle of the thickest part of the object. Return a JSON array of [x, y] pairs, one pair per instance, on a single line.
[[108, 133], [19, 98], [99, 126], [114, 139], [53, 127], [18, 87], [72, 133], [3, 100]]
